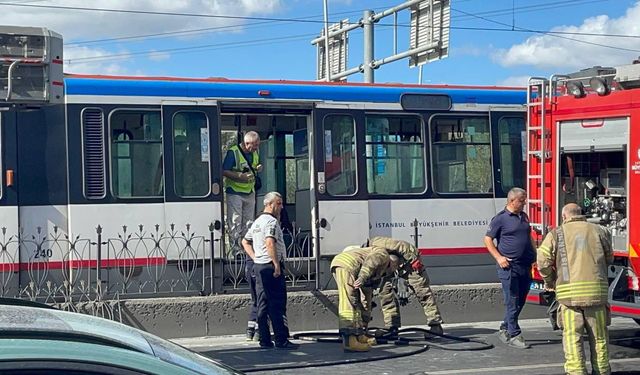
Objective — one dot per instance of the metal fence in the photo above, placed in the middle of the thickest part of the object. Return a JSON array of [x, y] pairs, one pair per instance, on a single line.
[[92, 274]]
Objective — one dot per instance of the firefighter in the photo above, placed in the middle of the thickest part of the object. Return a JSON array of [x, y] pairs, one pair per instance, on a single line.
[[413, 271], [357, 271], [573, 261]]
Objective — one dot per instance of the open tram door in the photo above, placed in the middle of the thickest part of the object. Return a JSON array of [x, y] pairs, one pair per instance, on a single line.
[[342, 207], [9, 219], [193, 186]]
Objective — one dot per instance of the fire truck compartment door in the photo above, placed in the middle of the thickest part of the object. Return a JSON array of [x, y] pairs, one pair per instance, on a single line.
[[610, 134]]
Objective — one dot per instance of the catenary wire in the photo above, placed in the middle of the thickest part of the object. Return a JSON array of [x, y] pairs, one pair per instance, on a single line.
[[122, 55]]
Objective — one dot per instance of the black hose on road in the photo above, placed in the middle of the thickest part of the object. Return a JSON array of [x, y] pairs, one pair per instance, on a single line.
[[421, 344]]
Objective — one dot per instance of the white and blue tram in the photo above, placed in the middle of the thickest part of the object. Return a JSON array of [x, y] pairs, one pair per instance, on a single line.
[[136, 155]]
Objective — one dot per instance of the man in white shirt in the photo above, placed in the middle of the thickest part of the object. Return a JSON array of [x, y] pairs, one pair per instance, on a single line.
[[264, 244]]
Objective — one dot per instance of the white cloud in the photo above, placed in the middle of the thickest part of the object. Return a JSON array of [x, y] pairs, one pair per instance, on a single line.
[[518, 81], [79, 61], [547, 51], [81, 25]]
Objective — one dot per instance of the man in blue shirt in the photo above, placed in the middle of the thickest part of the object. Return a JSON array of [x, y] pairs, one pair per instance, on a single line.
[[514, 255]]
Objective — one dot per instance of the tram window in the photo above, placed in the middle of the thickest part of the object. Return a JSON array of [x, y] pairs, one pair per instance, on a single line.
[[462, 155], [340, 155], [395, 155], [191, 154], [136, 154], [512, 165]]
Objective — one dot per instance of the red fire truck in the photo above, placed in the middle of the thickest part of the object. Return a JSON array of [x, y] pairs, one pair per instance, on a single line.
[[583, 146]]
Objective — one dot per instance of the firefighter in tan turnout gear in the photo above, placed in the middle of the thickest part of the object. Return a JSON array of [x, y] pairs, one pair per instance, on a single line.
[[573, 261], [412, 270], [357, 271]]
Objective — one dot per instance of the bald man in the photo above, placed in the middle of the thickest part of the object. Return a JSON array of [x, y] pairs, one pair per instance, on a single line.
[[573, 261]]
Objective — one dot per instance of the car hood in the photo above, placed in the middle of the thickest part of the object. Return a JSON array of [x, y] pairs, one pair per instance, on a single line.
[[29, 320]]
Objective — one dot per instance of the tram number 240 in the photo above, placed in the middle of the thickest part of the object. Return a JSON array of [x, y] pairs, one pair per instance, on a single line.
[[42, 253]]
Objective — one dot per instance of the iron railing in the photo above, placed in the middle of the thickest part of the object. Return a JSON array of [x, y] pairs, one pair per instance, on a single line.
[[92, 274]]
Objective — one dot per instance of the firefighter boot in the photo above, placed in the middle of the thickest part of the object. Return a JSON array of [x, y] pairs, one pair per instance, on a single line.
[[436, 329], [387, 333], [350, 343], [371, 341]]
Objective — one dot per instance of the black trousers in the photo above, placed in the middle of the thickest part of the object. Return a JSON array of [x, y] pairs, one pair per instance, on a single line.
[[272, 303], [251, 279]]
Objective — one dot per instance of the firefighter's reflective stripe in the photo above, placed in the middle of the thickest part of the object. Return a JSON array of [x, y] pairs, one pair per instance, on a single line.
[[601, 361], [577, 320], [572, 341], [348, 260], [546, 251], [581, 289], [349, 316]]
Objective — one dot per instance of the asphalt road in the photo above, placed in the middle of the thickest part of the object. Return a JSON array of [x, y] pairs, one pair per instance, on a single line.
[[441, 357]]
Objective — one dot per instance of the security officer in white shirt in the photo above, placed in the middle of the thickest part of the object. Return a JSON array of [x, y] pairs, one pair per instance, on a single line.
[[265, 245]]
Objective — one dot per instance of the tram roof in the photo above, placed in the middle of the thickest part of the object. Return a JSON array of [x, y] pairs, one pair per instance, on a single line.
[[282, 90]]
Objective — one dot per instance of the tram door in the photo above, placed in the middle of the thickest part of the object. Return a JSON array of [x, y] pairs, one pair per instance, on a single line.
[[9, 219], [8, 164], [339, 177], [193, 186]]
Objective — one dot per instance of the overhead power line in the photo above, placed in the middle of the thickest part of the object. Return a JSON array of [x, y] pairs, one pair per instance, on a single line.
[[248, 18], [191, 48], [511, 28], [198, 31], [553, 34], [527, 8], [171, 34]]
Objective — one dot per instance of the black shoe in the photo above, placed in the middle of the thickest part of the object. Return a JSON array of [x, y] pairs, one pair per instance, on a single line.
[[387, 333], [266, 345], [436, 329], [251, 332], [287, 345]]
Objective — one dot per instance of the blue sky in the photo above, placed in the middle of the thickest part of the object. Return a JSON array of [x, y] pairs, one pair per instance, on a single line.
[[263, 49]]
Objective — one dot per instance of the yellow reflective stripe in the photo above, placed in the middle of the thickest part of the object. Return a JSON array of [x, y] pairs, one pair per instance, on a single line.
[[581, 283], [546, 251], [347, 259], [583, 289], [600, 323], [596, 286], [583, 295], [570, 342]]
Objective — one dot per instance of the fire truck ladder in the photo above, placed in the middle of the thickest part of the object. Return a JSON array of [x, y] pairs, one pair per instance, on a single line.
[[538, 151]]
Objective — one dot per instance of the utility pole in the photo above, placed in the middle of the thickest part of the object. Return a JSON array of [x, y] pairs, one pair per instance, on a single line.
[[367, 21], [428, 39], [326, 41]]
